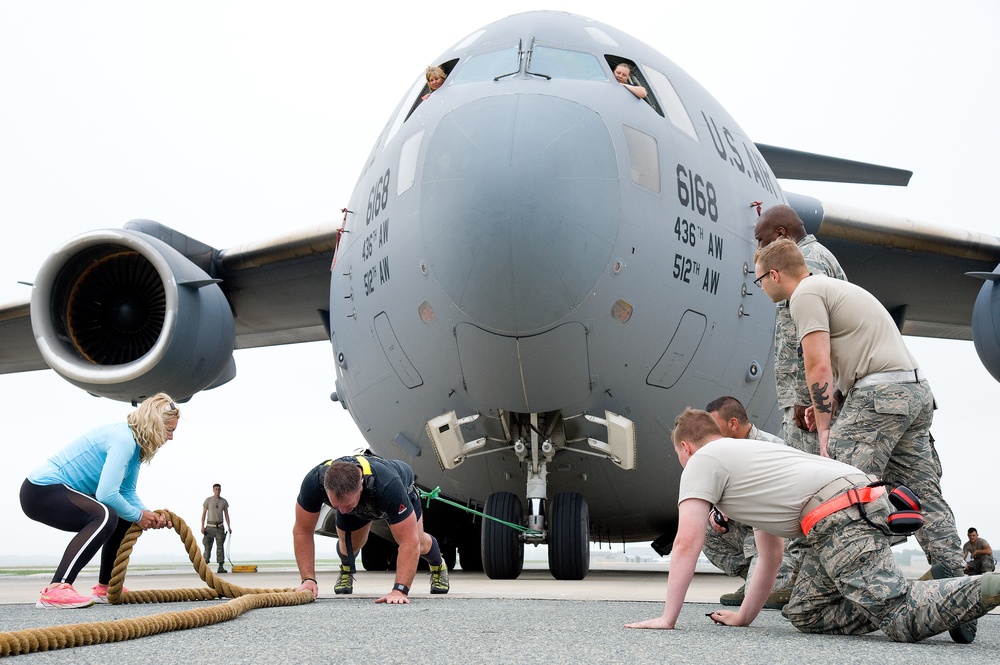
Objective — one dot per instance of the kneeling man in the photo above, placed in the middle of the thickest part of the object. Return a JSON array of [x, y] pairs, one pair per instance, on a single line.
[[849, 583]]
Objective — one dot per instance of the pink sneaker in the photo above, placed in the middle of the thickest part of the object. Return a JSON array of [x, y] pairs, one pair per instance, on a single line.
[[63, 595], [100, 593]]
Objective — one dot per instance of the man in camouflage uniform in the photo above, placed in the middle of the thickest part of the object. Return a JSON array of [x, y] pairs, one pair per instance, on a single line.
[[849, 583], [213, 510], [732, 548], [978, 553], [850, 342], [782, 221]]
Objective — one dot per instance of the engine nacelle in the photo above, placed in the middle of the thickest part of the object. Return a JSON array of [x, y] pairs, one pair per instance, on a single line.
[[986, 322], [123, 315]]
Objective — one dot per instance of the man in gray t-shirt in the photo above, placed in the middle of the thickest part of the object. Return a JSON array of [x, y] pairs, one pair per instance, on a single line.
[[849, 582], [978, 553], [732, 548], [851, 343], [214, 510]]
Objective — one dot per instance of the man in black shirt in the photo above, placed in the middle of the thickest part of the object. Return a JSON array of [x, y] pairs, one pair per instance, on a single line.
[[362, 489]]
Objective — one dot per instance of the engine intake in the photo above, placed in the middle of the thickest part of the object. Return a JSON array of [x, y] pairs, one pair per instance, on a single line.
[[124, 315], [986, 321]]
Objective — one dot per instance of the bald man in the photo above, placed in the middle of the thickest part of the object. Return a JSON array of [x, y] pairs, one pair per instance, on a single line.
[[782, 221]]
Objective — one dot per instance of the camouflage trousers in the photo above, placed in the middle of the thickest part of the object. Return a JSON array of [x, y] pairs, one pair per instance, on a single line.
[[800, 439], [735, 554], [849, 584], [885, 430], [984, 563], [218, 534]]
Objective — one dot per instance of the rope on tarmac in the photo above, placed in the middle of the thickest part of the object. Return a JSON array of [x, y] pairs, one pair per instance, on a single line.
[[436, 494], [101, 632]]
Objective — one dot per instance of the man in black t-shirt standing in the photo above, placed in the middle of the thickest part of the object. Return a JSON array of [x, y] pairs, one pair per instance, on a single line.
[[362, 489]]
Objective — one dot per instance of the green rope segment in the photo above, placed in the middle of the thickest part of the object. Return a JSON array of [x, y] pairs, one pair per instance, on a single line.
[[436, 494]]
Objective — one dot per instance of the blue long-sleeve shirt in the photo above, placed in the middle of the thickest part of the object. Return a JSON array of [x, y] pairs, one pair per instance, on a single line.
[[103, 463]]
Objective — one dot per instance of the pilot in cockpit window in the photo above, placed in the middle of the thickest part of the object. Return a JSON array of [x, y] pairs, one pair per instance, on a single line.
[[623, 74]]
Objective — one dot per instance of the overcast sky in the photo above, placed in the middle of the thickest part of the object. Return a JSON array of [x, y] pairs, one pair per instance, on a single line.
[[234, 121]]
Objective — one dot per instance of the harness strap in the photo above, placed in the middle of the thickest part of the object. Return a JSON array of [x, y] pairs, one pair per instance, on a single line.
[[366, 468], [851, 497]]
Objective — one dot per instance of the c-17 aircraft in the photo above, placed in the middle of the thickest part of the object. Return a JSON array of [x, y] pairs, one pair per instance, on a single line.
[[537, 271]]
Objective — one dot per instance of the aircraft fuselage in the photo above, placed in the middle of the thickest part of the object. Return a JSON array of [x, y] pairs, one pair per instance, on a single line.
[[534, 239]]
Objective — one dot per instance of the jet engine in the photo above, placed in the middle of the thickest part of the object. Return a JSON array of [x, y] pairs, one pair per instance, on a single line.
[[124, 315], [986, 322]]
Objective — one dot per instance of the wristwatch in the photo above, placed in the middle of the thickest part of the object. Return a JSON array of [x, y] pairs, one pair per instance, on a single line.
[[405, 590]]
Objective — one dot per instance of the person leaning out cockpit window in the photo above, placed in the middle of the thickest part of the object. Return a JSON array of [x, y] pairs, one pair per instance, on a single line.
[[623, 74], [435, 79]]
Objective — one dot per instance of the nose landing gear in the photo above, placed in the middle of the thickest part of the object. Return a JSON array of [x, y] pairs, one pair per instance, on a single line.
[[563, 523]]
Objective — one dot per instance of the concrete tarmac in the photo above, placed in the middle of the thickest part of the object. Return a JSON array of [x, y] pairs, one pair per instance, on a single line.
[[533, 619]]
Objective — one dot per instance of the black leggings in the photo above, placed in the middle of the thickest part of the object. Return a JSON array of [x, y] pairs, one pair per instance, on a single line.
[[97, 526]]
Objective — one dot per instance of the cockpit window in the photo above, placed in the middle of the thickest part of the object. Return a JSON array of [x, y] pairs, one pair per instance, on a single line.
[[671, 102], [560, 63], [545, 61], [486, 66]]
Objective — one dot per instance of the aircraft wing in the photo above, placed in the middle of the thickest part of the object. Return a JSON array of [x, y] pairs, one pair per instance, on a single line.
[[178, 308], [280, 288], [18, 353], [917, 270]]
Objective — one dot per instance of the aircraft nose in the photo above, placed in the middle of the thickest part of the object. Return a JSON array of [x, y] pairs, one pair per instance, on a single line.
[[520, 208]]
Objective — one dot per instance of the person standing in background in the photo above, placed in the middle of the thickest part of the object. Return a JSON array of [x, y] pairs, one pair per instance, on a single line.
[[213, 510]]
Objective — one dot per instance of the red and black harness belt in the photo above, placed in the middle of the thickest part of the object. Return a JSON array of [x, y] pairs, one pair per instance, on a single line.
[[851, 497]]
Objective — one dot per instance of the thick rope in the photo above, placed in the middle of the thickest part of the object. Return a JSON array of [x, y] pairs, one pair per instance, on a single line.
[[101, 632], [219, 587]]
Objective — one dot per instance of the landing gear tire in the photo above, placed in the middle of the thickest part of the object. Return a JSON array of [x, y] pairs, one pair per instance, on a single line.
[[569, 537], [502, 549]]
